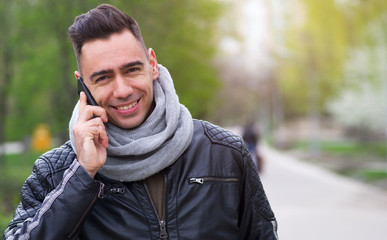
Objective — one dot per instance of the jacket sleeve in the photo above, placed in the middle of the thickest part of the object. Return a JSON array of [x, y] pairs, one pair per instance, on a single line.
[[45, 212], [257, 220]]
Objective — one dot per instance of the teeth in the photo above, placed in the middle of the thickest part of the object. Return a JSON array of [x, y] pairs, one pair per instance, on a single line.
[[127, 107]]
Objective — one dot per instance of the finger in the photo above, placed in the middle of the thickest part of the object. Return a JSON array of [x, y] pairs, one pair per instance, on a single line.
[[96, 131], [100, 112], [88, 128], [82, 100], [84, 114], [103, 138], [97, 121], [87, 112]]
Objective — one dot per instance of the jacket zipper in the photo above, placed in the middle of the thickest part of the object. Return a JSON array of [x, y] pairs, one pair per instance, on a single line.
[[202, 180], [100, 194], [116, 190], [161, 219]]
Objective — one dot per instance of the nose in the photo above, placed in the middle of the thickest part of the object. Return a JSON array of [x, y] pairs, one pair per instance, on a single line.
[[122, 87]]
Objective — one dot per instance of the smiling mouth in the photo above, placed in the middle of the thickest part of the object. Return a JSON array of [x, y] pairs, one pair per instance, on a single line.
[[127, 106]]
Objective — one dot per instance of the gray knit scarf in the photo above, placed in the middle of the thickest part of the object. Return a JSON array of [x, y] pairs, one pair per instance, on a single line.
[[135, 154]]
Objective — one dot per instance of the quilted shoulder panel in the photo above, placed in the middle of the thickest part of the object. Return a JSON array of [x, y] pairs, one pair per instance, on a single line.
[[257, 193], [51, 162], [42, 181], [58, 158], [222, 136]]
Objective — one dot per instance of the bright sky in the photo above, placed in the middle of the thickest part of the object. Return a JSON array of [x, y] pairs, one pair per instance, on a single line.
[[252, 19]]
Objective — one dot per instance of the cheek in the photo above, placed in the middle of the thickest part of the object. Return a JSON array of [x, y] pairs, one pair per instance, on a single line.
[[150, 92], [101, 95]]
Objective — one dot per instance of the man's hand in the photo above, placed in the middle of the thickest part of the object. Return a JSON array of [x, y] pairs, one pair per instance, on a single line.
[[90, 135]]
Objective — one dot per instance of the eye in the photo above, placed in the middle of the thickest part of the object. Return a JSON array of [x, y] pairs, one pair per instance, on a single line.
[[101, 78], [133, 69]]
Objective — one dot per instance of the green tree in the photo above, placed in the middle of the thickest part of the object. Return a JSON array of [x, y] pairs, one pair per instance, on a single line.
[[7, 25], [363, 95], [44, 88], [318, 48], [320, 42], [183, 35]]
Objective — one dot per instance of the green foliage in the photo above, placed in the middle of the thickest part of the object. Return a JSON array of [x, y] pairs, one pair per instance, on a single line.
[[318, 48], [367, 175], [364, 94], [43, 87], [372, 175], [320, 38], [349, 147], [183, 37]]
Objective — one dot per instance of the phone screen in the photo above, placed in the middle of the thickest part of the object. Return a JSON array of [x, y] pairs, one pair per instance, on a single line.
[[82, 88]]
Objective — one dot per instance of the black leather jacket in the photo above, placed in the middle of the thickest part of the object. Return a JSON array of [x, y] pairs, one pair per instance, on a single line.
[[212, 192]]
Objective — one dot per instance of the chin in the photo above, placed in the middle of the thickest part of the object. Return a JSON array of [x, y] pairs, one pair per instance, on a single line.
[[128, 124]]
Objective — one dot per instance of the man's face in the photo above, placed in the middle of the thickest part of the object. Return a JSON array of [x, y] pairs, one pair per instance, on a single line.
[[120, 77]]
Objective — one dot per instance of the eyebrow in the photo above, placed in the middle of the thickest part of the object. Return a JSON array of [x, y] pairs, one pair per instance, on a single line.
[[131, 64], [100, 73], [109, 71]]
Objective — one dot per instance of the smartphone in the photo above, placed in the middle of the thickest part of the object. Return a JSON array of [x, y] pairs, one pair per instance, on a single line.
[[82, 88]]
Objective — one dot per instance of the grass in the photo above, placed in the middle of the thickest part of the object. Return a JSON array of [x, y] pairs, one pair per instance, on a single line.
[[348, 147], [369, 174], [349, 151], [13, 173]]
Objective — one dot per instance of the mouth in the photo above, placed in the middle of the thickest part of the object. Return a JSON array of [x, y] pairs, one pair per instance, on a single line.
[[127, 107]]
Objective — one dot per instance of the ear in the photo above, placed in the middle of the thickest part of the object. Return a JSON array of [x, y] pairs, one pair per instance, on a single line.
[[77, 74], [153, 64]]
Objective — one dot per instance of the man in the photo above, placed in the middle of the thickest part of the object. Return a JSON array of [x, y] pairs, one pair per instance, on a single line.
[[137, 166]]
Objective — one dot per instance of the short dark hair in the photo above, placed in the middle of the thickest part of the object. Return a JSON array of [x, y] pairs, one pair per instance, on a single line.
[[100, 23]]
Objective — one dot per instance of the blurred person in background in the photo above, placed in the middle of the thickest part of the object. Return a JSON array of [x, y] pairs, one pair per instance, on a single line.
[[137, 166], [251, 136]]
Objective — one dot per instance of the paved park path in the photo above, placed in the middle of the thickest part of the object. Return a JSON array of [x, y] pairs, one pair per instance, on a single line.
[[311, 203]]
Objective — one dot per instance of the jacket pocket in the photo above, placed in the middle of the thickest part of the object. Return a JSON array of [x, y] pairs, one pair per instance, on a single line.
[[203, 180], [206, 195]]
